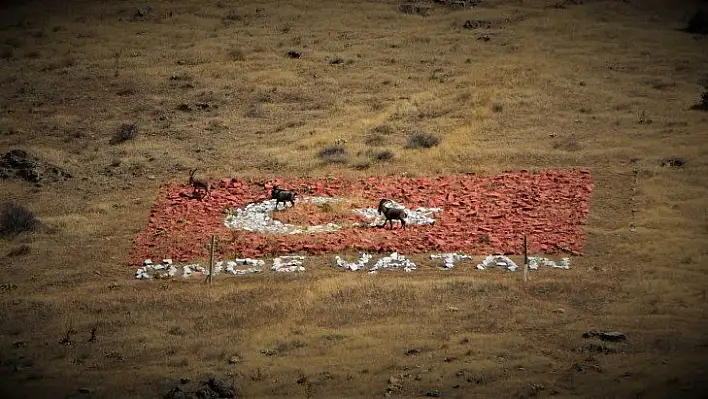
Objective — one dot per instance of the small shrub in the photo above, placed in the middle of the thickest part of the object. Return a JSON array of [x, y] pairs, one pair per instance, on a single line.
[[660, 84], [375, 139], [329, 208], [422, 140], [32, 54], [674, 162], [255, 112], [643, 118], [128, 91], [432, 110], [384, 129], [704, 81], [290, 125], [22, 250], [568, 144], [334, 154], [126, 132], [375, 104], [7, 52], [230, 17], [271, 163], [284, 346], [703, 104], [177, 330], [334, 337], [15, 42], [237, 54], [698, 23], [415, 9], [385, 155], [465, 96], [50, 67], [377, 135], [332, 150], [362, 164], [15, 219], [265, 97]]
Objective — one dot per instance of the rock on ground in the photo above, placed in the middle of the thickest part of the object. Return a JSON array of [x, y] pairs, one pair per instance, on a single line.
[[21, 164]]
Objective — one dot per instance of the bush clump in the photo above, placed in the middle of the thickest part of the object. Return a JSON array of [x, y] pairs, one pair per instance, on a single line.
[[237, 54], [126, 132], [377, 135], [422, 140], [703, 104], [16, 219], [334, 154], [385, 155]]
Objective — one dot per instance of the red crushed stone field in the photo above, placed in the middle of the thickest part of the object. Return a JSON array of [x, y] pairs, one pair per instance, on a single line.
[[481, 215]]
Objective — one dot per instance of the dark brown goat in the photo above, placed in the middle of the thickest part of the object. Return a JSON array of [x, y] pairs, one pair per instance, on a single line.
[[199, 184], [391, 214], [283, 196]]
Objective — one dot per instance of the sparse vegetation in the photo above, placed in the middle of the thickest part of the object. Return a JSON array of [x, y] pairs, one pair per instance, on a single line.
[[703, 81], [14, 41], [703, 103], [33, 54], [362, 164], [643, 118], [21, 250], [290, 125], [334, 154], [125, 132], [660, 84], [378, 136], [415, 9], [422, 140], [16, 219], [237, 54], [383, 155], [271, 163], [375, 139], [569, 143], [384, 129]]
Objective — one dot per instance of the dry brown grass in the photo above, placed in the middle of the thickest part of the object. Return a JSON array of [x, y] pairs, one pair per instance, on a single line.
[[593, 85]]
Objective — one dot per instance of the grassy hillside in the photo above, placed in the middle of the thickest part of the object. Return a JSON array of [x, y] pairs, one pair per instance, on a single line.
[[605, 85]]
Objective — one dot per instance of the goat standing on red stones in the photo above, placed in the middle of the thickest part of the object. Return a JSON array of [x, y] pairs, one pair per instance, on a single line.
[[283, 196], [391, 214], [199, 184]]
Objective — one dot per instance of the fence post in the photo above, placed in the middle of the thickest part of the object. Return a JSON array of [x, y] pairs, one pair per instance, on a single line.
[[211, 260], [526, 261]]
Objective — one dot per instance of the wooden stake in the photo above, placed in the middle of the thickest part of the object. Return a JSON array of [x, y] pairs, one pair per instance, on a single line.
[[211, 260], [526, 262]]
